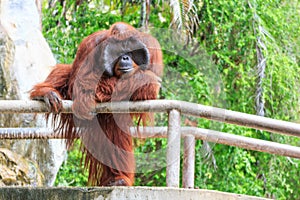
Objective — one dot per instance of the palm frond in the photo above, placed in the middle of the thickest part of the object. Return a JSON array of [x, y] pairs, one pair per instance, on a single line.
[[185, 16], [261, 49]]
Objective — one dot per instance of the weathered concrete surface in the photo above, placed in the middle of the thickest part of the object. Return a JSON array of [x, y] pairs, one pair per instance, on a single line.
[[117, 193]]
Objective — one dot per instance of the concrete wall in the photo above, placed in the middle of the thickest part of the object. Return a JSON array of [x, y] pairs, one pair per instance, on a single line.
[[116, 193]]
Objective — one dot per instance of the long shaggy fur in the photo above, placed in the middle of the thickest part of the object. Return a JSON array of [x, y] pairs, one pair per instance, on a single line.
[[107, 144]]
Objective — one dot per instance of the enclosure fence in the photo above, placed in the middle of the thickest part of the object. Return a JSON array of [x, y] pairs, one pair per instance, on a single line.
[[174, 132]]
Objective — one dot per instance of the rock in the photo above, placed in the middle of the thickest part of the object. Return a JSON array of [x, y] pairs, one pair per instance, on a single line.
[[26, 59], [16, 170]]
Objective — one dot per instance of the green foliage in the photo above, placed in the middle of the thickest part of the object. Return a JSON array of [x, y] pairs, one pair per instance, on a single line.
[[72, 172], [228, 31], [221, 73], [151, 163], [64, 34]]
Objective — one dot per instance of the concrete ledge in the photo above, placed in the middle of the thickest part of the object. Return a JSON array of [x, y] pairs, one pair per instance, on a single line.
[[116, 193]]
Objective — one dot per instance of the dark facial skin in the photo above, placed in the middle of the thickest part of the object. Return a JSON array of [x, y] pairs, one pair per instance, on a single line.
[[125, 65]]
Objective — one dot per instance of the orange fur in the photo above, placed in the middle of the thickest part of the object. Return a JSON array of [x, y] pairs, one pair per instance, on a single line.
[[107, 144]]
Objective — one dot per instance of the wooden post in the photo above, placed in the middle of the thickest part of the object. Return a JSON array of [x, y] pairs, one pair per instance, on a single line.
[[173, 149], [188, 171]]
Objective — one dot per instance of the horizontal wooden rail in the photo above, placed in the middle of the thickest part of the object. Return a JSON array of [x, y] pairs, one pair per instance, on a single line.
[[161, 132], [186, 108], [174, 109]]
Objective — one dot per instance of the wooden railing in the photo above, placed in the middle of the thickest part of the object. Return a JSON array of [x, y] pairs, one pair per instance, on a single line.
[[174, 132]]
